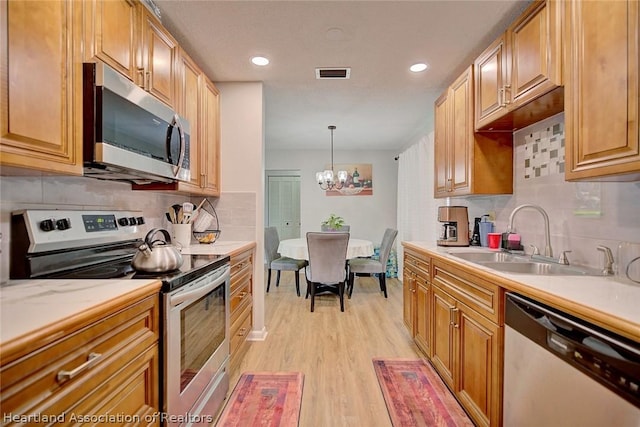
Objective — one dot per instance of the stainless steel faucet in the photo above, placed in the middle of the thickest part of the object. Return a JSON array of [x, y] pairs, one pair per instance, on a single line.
[[548, 252]]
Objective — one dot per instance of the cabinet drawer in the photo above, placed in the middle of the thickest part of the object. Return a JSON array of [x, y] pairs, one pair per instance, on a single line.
[[241, 270], [240, 295], [240, 328], [31, 383], [477, 293], [418, 263]]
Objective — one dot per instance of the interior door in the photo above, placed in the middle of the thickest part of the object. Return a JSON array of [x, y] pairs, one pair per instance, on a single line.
[[283, 210]]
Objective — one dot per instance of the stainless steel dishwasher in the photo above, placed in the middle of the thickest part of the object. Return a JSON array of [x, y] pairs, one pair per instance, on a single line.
[[562, 371]]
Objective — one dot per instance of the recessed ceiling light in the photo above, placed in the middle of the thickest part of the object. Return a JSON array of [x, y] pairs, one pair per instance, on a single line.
[[260, 60], [416, 68]]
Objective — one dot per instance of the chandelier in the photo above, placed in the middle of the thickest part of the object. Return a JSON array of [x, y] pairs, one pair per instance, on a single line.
[[326, 179]]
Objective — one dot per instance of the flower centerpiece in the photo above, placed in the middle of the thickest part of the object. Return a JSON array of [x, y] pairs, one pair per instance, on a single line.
[[333, 223]]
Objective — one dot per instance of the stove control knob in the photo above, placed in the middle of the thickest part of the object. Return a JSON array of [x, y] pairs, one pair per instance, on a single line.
[[123, 221], [63, 224], [140, 220], [47, 225], [132, 221]]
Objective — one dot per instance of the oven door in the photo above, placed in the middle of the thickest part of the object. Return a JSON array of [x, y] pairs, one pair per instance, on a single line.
[[196, 344]]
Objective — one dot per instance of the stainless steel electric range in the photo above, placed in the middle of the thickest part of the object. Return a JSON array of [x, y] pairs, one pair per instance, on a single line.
[[195, 311]]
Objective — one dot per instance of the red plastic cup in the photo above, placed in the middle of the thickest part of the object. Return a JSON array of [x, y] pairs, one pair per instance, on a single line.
[[494, 240]]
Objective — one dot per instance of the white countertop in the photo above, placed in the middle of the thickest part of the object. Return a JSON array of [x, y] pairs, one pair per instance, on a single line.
[[607, 295], [28, 305]]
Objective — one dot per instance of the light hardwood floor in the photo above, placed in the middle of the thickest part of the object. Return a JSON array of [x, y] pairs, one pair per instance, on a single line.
[[334, 350]]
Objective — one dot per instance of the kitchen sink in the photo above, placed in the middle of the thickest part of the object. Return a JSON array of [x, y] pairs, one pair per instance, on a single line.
[[510, 263], [482, 257], [540, 268]]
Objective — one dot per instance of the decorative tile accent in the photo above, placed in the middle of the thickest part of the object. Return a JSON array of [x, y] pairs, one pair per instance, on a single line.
[[544, 152]]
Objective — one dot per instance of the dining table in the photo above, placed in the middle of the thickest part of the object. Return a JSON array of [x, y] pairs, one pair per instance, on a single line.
[[297, 248]]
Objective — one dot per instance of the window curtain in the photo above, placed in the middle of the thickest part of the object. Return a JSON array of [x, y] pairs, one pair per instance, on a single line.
[[417, 209]]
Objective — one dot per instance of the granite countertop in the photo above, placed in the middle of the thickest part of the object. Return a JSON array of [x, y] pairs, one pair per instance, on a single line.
[[602, 299], [28, 305]]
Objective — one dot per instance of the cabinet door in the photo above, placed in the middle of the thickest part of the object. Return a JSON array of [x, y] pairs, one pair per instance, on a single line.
[[110, 34], [461, 141], [442, 342], [491, 77], [441, 135], [210, 119], [190, 83], [423, 313], [408, 300], [479, 367], [41, 63], [536, 51], [159, 52], [601, 90]]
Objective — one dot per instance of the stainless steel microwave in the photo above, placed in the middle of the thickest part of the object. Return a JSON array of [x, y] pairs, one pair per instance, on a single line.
[[128, 134]]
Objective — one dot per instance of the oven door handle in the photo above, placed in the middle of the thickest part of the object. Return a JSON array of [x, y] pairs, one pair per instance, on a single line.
[[202, 290]]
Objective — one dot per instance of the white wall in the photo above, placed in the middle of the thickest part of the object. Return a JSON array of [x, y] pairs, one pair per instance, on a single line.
[[242, 178], [368, 216]]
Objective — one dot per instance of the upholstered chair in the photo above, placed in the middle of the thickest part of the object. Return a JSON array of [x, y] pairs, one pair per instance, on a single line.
[[326, 271], [373, 266], [277, 262]]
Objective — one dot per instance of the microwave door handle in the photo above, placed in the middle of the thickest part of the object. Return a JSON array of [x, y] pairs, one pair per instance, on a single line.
[[175, 123], [183, 145]]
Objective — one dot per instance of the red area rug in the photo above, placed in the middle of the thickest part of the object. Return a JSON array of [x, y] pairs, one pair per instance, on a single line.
[[416, 396], [264, 399]]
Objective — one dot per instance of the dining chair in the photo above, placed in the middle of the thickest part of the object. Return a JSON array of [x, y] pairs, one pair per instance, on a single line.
[[277, 262], [326, 271], [373, 266]]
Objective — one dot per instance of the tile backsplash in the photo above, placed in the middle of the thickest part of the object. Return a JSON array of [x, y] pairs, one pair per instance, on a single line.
[[582, 215], [236, 211]]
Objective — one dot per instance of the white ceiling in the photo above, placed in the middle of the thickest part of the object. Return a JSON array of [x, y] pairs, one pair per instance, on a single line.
[[383, 105]]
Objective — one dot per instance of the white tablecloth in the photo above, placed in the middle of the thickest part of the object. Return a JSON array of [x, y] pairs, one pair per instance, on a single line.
[[297, 248]]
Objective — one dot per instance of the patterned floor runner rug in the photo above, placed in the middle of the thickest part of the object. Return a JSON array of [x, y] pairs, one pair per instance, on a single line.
[[416, 396], [264, 399]]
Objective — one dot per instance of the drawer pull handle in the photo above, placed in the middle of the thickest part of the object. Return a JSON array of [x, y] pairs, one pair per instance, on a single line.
[[243, 294], [242, 332], [92, 359]]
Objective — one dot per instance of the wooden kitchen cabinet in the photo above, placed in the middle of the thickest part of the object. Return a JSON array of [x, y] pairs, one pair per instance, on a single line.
[[468, 337], [210, 161], [111, 35], [466, 162], [103, 361], [241, 305], [41, 89], [518, 78], [601, 90], [158, 58], [417, 303]]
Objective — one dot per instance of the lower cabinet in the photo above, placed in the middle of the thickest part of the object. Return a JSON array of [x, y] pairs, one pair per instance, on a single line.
[[457, 319], [416, 283], [104, 364], [468, 336], [241, 305]]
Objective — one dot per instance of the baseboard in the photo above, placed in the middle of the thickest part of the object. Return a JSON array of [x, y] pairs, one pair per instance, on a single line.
[[258, 335]]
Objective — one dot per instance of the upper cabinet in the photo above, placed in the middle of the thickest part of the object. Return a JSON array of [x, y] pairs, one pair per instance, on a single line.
[[466, 162], [127, 36], [111, 36], [159, 53], [519, 76], [41, 85], [601, 93]]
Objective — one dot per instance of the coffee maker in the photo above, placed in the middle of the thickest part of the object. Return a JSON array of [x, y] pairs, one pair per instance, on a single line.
[[455, 226]]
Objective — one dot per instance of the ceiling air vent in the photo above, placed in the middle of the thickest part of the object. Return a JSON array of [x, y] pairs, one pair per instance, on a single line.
[[333, 73]]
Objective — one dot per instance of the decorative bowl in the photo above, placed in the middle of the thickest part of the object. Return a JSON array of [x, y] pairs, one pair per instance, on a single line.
[[207, 236]]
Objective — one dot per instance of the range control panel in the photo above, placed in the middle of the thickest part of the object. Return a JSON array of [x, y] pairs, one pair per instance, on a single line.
[[49, 230]]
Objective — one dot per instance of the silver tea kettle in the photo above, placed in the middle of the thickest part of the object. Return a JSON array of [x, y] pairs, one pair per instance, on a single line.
[[157, 256]]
